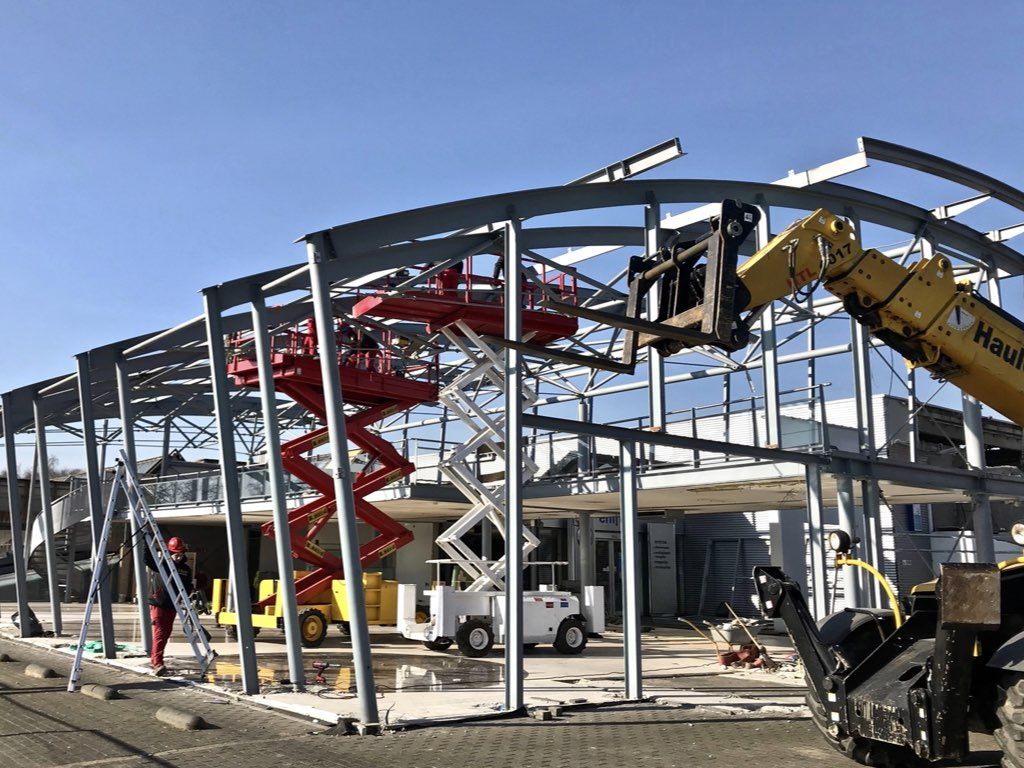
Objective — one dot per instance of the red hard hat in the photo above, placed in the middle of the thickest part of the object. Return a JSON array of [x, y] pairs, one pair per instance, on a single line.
[[176, 545]]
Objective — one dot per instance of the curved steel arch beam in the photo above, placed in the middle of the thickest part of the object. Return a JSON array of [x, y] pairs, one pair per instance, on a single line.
[[878, 209], [897, 154]]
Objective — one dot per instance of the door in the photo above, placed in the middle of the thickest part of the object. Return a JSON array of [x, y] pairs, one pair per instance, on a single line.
[[608, 562]]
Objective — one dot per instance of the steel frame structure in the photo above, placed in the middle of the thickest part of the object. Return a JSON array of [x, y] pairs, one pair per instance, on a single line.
[[176, 380]]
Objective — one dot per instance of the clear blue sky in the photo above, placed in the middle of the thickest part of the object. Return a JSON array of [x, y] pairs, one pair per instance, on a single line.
[[151, 149]]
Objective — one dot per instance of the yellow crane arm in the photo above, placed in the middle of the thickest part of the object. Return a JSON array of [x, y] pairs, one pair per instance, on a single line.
[[934, 321]]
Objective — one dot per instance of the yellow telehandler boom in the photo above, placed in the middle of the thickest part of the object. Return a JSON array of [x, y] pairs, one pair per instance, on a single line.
[[920, 310]]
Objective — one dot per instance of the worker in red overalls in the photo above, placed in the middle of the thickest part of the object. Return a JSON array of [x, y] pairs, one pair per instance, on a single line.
[[161, 606]]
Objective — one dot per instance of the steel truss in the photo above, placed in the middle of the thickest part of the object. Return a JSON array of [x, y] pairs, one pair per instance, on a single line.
[[179, 375]]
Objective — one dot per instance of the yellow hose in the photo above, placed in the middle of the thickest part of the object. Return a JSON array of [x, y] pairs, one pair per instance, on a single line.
[[893, 603], [1010, 563]]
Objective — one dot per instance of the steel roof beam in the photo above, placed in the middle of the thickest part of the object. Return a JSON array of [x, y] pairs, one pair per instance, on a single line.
[[896, 154], [368, 235]]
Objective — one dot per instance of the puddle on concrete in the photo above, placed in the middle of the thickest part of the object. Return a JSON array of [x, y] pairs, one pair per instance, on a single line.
[[391, 673]]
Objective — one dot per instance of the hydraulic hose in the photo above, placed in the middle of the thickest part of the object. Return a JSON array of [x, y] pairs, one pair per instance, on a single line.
[[893, 602]]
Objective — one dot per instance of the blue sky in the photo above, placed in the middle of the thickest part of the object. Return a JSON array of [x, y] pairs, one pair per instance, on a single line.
[[147, 150]]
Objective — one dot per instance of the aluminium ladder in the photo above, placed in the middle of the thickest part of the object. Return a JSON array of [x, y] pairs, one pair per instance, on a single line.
[[125, 481]]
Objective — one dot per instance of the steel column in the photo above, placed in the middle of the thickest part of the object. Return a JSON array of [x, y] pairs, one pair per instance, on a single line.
[[486, 539], [655, 362], [513, 471], [14, 507], [584, 445], [631, 591], [346, 509], [848, 522], [816, 537], [275, 469], [165, 451], [94, 489], [873, 551], [124, 398], [981, 517], [769, 354], [912, 406], [974, 442], [46, 513], [230, 495], [586, 549]]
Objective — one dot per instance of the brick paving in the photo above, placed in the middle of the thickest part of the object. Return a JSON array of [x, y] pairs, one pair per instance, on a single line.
[[41, 726]]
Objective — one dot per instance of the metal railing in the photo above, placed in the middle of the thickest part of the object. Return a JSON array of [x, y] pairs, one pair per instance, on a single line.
[[739, 421]]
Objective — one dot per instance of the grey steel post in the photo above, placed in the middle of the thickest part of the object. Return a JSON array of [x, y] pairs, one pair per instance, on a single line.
[[94, 489], [974, 442], [847, 521], [913, 433], [46, 512], [513, 471], [981, 518], [912, 406], [165, 451], [769, 354], [335, 404], [584, 443], [586, 549], [486, 539], [631, 593], [231, 497], [655, 362], [124, 400], [70, 565], [816, 536], [14, 507], [275, 469], [873, 550]]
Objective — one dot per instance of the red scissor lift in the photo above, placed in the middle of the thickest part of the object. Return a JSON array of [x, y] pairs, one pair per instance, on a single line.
[[380, 385], [477, 301]]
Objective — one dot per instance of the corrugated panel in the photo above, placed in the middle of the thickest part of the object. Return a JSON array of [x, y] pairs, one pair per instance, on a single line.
[[724, 529]]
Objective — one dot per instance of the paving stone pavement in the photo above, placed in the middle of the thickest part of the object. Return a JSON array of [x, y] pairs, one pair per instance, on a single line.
[[41, 726]]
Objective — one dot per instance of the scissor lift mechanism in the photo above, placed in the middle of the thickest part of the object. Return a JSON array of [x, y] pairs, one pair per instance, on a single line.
[[371, 384]]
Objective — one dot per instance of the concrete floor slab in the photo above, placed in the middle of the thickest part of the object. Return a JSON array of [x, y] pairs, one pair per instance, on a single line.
[[416, 684]]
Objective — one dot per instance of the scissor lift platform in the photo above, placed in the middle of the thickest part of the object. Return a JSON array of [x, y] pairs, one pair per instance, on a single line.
[[360, 386], [485, 318]]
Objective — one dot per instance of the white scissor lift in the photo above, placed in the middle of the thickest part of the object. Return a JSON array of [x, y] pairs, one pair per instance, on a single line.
[[473, 617], [197, 636]]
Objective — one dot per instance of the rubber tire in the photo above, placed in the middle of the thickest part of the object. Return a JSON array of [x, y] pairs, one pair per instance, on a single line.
[[1010, 733], [863, 751], [231, 633], [309, 639], [465, 633], [571, 637], [441, 644]]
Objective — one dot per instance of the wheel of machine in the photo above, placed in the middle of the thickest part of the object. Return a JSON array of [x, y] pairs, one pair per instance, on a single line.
[[475, 638], [231, 633], [440, 644], [312, 627], [1010, 733], [863, 751], [571, 637]]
